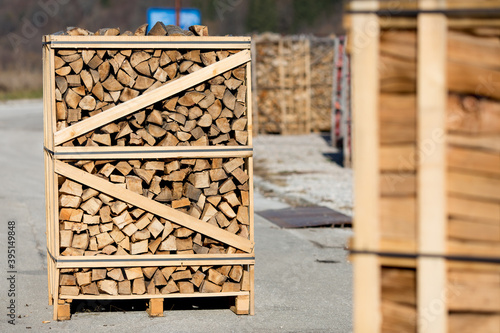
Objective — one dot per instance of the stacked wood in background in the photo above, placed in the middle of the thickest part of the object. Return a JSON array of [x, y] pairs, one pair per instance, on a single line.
[[436, 247], [294, 83], [148, 166], [322, 94]]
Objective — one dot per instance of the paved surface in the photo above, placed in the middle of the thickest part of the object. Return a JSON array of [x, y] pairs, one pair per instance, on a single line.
[[303, 282]]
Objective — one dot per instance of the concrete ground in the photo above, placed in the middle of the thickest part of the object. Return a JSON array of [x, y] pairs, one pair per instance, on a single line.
[[302, 277]]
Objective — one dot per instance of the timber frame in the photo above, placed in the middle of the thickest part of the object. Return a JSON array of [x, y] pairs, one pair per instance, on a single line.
[[414, 271], [55, 155]]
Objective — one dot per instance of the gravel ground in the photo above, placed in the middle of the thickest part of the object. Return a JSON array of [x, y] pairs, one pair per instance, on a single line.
[[296, 168]]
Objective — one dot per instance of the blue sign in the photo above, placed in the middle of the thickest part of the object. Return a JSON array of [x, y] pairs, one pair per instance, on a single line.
[[187, 17]]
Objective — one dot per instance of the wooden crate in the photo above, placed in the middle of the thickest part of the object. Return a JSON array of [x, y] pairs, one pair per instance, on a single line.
[[283, 84], [426, 111], [135, 208]]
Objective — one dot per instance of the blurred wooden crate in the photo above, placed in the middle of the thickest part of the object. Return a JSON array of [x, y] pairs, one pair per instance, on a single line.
[[426, 121]]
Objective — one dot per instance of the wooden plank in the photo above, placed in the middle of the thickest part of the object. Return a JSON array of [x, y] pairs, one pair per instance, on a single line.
[[333, 128], [473, 160], [365, 89], [398, 119], [395, 22], [481, 187], [53, 201], [151, 97], [444, 4], [281, 73], [252, 90], [154, 260], [473, 248], [149, 42], [130, 152], [474, 322], [398, 184], [148, 296], [491, 143], [431, 188], [250, 113], [252, 289], [472, 116], [398, 158], [56, 295], [47, 161], [473, 209], [398, 220], [474, 291], [153, 206], [345, 127], [398, 245], [307, 70], [473, 230]]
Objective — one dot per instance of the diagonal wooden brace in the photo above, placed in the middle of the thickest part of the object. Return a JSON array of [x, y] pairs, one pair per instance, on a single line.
[[152, 206]]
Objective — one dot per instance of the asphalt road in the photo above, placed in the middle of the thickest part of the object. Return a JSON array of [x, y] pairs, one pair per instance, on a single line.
[[302, 281]]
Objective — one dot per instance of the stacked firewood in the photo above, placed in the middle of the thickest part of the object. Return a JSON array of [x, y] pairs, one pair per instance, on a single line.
[[153, 280], [321, 83], [89, 82], [269, 92], [214, 190], [294, 83]]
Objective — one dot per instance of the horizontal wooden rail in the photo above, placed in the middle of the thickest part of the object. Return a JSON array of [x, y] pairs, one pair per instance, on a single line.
[[146, 42], [68, 153], [149, 296], [154, 260]]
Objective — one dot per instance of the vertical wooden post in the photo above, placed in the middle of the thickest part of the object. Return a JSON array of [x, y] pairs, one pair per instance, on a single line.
[[335, 87], [365, 87], [250, 106], [281, 90], [345, 107], [252, 290], [307, 65], [253, 88], [46, 108], [431, 186]]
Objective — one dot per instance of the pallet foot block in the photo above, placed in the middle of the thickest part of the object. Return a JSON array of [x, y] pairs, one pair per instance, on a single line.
[[155, 307], [427, 147], [242, 305], [63, 311], [148, 166]]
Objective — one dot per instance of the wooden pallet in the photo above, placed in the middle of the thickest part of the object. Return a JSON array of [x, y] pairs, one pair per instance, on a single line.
[[426, 158], [63, 163]]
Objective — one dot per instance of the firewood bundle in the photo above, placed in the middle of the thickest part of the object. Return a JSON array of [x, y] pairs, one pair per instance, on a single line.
[[92, 81], [283, 84], [153, 280], [322, 63], [148, 166], [294, 83], [213, 190]]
